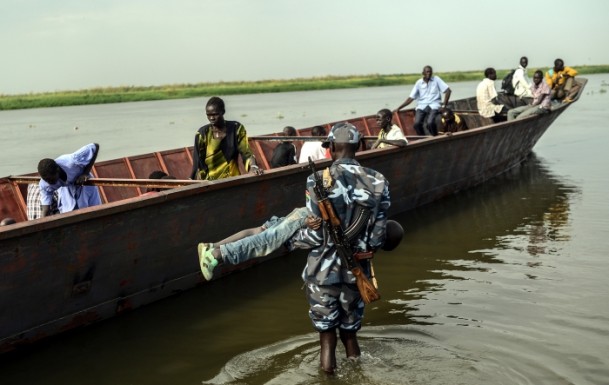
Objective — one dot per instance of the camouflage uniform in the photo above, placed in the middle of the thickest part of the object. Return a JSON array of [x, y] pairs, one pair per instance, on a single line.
[[333, 296]]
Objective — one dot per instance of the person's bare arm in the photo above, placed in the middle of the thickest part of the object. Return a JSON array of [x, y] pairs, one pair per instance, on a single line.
[[85, 172]]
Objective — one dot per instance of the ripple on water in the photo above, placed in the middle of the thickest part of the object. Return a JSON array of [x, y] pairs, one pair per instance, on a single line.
[[390, 355]]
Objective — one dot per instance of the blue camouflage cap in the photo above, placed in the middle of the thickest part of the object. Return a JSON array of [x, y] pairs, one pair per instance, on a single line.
[[342, 133]]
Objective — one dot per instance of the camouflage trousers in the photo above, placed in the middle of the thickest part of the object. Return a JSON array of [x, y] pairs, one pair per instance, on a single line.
[[335, 306]]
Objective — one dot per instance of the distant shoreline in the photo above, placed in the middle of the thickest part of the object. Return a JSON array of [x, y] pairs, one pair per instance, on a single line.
[[184, 91]]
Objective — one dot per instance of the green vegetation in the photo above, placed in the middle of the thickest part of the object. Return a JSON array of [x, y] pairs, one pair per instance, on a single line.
[[182, 91]]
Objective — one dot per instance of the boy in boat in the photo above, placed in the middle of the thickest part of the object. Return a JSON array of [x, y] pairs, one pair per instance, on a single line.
[[313, 149], [540, 103], [390, 134], [66, 175], [156, 174], [522, 83], [451, 122], [284, 153], [561, 80]]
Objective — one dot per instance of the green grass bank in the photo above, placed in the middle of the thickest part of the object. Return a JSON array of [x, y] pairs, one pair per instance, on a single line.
[[183, 91]]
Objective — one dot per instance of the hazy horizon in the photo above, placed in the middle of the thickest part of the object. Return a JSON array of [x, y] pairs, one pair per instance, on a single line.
[[75, 45]]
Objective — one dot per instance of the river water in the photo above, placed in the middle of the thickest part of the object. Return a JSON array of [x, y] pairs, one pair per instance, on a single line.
[[506, 283]]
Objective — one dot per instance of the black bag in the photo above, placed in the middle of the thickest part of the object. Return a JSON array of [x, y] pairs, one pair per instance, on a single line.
[[506, 83]]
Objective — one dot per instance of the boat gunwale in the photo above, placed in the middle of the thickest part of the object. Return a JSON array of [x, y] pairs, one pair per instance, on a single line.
[[89, 213]]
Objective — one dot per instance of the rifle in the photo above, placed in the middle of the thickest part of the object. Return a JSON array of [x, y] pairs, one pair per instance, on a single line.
[[366, 289]]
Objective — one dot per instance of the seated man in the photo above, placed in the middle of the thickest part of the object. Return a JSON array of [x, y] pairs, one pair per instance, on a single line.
[[561, 80], [285, 152], [390, 134], [541, 100], [313, 149], [66, 174], [451, 122], [427, 91], [522, 83], [486, 97]]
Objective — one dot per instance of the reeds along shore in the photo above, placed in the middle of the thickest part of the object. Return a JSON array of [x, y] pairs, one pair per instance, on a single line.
[[183, 91]]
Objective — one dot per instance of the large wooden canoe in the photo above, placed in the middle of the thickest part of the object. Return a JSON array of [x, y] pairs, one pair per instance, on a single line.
[[70, 270]]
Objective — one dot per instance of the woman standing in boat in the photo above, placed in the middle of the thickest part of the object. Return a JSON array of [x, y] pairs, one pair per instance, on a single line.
[[218, 145]]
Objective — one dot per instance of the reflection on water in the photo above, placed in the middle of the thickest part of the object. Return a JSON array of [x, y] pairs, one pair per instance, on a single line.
[[525, 209]]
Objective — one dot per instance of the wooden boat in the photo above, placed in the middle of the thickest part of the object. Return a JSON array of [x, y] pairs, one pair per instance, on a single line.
[[74, 269]]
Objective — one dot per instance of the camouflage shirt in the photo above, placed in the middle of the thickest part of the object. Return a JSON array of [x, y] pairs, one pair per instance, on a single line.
[[352, 185]]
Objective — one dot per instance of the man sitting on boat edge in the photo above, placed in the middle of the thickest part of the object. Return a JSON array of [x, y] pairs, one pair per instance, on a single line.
[[487, 100], [427, 91]]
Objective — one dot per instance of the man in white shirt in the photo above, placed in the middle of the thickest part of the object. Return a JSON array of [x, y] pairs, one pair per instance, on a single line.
[[391, 134], [521, 81], [486, 97], [313, 149]]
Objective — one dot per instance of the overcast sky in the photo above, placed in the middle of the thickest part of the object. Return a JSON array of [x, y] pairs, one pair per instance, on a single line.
[[58, 45]]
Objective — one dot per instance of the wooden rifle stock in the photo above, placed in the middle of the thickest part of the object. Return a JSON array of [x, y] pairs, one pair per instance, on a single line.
[[367, 290]]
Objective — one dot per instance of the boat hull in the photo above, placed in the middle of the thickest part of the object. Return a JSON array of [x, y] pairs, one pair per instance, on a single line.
[[63, 272]]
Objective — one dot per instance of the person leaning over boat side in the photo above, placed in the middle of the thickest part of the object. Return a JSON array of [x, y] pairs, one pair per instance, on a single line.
[[313, 149], [540, 103], [284, 154], [562, 81], [486, 97], [451, 122], [390, 134], [218, 145], [66, 174], [427, 92], [334, 299]]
